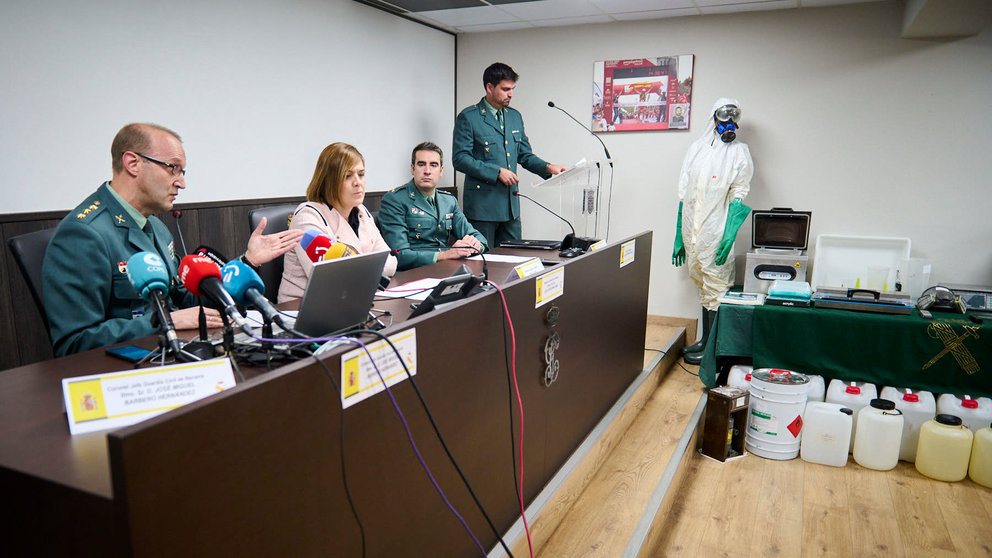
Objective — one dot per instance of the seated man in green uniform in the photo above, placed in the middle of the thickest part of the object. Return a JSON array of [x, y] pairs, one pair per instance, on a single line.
[[488, 142], [417, 219], [88, 297]]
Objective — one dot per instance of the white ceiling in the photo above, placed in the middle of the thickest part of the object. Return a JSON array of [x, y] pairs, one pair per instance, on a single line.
[[478, 16], [922, 18]]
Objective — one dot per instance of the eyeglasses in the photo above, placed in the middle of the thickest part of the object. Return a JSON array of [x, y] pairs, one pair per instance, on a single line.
[[176, 170]]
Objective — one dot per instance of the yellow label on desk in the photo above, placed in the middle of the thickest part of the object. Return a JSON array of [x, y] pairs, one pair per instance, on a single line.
[[627, 252], [549, 286], [529, 267], [364, 370], [104, 401]]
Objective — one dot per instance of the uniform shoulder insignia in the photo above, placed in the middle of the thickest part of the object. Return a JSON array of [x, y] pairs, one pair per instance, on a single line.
[[82, 212]]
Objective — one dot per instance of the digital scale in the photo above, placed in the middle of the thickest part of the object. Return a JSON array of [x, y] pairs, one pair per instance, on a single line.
[[977, 297], [779, 238]]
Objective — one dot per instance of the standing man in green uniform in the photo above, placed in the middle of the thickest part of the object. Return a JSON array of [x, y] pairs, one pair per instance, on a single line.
[[88, 297], [489, 141], [417, 219]]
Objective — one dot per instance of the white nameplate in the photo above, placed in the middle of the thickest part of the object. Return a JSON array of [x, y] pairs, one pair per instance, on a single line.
[[597, 245], [359, 378], [530, 267], [116, 399], [627, 250], [550, 286]]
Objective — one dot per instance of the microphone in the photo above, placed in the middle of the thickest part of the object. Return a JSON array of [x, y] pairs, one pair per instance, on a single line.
[[176, 214], [609, 159], [320, 247], [148, 275], [571, 245], [201, 276], [246, 287]]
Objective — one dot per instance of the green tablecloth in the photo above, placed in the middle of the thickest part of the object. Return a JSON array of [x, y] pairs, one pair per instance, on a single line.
[[948, 354], [730, 336]]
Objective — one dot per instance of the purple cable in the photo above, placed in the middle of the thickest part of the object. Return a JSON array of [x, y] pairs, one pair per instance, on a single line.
[[409, 435]]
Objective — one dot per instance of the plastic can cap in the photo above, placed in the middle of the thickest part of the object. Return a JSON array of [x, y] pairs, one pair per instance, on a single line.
[[853, 389], [911, 397], [883, 404], [847, 411], [969, 403], [949, 420]]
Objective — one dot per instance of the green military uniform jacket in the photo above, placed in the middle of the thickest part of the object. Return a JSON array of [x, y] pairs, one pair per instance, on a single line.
[[89, 300], [408, 221], [479, 149]]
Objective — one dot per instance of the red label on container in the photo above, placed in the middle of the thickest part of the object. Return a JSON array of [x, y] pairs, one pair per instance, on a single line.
[[796, 426]]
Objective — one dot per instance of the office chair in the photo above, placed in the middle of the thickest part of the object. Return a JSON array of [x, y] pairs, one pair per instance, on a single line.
[[278, 221], [29, 253]]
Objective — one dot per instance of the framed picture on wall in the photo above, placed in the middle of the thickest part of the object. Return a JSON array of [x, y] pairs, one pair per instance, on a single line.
[[640, 94]]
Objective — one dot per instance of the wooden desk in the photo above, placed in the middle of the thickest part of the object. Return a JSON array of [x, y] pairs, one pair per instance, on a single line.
[[257, 470]]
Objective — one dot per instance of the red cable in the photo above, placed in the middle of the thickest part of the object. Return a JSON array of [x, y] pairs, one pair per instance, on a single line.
[[520, 408]]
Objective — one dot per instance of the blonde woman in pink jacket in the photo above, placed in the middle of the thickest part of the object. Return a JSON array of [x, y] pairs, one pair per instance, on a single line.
[[334, 207]]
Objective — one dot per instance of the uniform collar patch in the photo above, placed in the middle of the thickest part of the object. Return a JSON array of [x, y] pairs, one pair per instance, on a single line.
[[120, 219]]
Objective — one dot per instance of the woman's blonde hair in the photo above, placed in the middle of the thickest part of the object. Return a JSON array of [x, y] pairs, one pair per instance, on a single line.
[[333, 164]]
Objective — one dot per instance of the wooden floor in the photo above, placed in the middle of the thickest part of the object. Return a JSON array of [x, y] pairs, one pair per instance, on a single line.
[[757, 507]]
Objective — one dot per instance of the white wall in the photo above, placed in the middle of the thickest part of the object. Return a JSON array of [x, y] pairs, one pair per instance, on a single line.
[[875, 134], [256, 88]]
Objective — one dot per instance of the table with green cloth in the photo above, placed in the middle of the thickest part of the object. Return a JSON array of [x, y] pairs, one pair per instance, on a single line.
[[949, 354]]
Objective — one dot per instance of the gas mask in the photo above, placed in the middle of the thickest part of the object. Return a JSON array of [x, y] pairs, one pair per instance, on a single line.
[[726, 118]]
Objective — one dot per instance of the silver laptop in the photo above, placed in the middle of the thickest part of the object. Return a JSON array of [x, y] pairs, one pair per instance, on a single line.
[[339, 294]]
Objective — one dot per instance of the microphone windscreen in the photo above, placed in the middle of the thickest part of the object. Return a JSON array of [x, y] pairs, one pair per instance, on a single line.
[[338, 250], [147, 272], [316, 248], [551, 104], [193, 269], [217, 257], [308, 237], [238, 278]]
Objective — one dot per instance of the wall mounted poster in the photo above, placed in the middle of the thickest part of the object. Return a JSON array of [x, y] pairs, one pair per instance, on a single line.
[[642, 94]]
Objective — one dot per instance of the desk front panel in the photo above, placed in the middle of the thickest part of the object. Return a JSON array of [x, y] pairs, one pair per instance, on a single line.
[[257, 470]]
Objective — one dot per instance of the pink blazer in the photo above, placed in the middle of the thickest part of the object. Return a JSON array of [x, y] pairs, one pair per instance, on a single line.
[[316, 215]]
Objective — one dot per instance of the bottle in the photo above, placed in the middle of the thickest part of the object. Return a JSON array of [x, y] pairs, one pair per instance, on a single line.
[[917, 408], [739, 376], [854, 396], [980, 470], [826, 434], [878, 435], [817, 389], [945, 448], [974, 413]]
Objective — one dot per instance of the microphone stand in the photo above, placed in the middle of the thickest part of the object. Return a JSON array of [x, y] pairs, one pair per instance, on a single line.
[[167, 340], [609, 160], [202, 348], [571, 245]]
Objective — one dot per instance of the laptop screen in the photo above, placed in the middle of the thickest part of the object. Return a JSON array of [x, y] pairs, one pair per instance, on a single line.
[[339, 294]]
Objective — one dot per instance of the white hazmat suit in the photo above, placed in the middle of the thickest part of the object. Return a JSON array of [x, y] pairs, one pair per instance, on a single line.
[[713, 174]]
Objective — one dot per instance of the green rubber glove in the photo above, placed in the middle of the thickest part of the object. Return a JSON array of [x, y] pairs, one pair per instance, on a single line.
[[678, 253], [736, 214]]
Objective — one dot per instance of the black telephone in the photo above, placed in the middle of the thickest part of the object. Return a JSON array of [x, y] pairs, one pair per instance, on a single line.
[[941, 299]]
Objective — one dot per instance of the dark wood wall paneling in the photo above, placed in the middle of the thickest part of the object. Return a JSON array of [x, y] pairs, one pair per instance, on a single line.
[[222, 225]]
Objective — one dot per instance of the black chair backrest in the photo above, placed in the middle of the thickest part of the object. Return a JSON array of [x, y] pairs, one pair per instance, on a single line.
[[278, 221], [29, 253]]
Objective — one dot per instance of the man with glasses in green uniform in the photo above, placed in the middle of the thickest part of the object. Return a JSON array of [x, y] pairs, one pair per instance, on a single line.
[[88, 297]]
